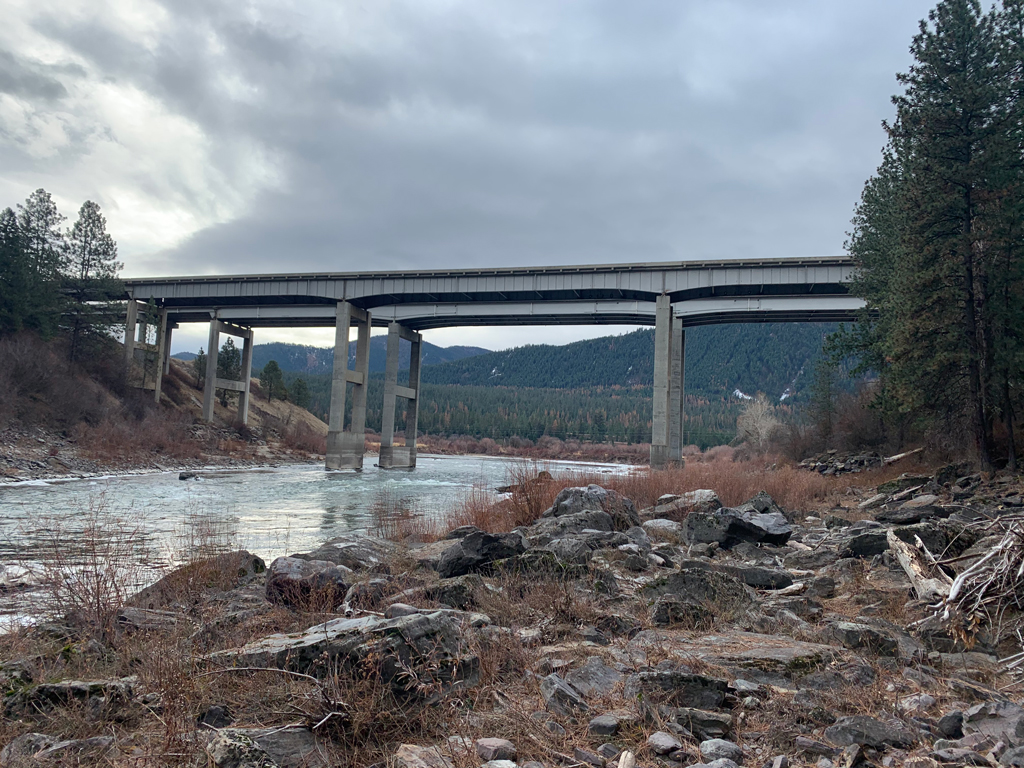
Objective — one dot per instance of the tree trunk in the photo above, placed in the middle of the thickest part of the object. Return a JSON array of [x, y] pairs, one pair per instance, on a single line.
[[976, 405]]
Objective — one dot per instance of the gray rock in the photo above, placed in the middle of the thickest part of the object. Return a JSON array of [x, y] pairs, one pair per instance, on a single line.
[[1000, 720], [560, 698], [369, 594], [223, 572], [701, 723], [722, 762], [21, 752], [495, 749], [108, 696], [603, 725], [672, 610], [499, 764], [595, 678], [293, 746], [951, 724], [571, 501], [587, 757], [663, 530], [758, 577], [677, 689], [412, 756], [430, 645], [868, 731], [357, 552], [233, 750], [715, 749], [857, 636], [1013, 757], [395, 610], [299, 583], [866, 544], [725, 593], [571, 549], [661, 743], [730, 526], [476, 552]]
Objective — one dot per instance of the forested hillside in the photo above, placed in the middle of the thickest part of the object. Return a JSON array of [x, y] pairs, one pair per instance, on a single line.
[[598, 413], [719, 359], [307, 359]]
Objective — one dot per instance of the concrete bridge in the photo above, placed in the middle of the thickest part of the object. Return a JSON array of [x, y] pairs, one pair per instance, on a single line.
[[670, 296]]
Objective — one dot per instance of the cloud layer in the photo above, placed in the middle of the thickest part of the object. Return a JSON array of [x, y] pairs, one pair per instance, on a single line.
[[278, 136]]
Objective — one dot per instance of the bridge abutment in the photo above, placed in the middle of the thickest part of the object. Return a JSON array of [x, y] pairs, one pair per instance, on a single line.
[[392, 456], [345, 448]]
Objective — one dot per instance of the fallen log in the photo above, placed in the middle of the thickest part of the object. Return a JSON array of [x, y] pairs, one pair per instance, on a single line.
[[918, 570]]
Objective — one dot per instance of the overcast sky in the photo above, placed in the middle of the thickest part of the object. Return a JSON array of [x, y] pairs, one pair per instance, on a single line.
[[223, 136]]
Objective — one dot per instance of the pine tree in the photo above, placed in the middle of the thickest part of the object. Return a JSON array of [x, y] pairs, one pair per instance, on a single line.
[[14, 277], [42, 243], [91, 281], [300, 393], [229, 366], [272, 381], [199, 367]]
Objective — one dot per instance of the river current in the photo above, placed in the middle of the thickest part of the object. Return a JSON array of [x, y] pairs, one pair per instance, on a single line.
[[269, 511]]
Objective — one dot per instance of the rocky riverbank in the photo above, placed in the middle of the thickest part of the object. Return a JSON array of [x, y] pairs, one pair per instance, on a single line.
[[600, 635]]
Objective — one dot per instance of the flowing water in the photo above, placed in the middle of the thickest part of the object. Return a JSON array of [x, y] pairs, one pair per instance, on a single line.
[[269, 511]]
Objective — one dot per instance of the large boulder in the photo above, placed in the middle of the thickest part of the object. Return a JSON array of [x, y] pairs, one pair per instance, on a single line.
[[189, 583], [677, 507], [38, 749], [293, 746], [476, 552], [307, 584], [869, 731], [678, 688], [360, 553], [729, 526], [594, 498], [717, 592], [414, 654]]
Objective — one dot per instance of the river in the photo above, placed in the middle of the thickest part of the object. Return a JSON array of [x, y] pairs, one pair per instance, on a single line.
[[269, 511]]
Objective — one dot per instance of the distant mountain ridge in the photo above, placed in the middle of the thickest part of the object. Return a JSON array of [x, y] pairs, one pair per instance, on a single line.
[[720, 359], [732, 360], [303, 358]]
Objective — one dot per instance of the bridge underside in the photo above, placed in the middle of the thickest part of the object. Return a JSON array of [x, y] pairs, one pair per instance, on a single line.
[[670, 297]]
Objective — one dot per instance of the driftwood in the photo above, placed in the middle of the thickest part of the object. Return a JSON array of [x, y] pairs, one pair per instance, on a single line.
[[929, 582], [900, 456]]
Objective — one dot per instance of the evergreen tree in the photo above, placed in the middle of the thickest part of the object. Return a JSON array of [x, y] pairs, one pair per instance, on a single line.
[[91, 281], [14, 276], [272, 381], [824, 391], [229, 366], [300, 393], [42, 243], [199, 367], [938, 234]]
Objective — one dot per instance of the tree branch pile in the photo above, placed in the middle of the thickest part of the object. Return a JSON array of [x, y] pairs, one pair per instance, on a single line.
[[990, 590]]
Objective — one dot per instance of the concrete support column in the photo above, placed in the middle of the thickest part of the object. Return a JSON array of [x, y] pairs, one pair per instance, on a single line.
[[210, 384], [243, 398], [345, 447], [162, 352], [167, 348], [662, 387], [130, 329], [676, 394], [213, 383], [391, 456]]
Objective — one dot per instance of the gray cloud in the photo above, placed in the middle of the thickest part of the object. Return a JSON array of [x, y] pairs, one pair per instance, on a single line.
[[451, 134]]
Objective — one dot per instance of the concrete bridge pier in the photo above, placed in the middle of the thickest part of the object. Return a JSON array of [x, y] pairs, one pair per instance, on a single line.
[[140, 356], [392, 456], [669, 349], [213, 383], [345, 446]]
